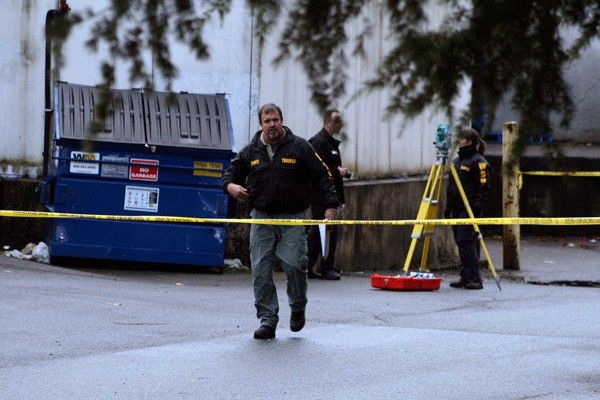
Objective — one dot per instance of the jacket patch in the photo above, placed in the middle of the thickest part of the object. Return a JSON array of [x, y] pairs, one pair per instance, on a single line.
[[254, 162], [288, 160], [465, 168], [482, 173]]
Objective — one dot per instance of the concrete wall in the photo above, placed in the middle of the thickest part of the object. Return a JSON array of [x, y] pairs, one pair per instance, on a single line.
[[377, 248], [20, 194], [550, 196], [371, 247]]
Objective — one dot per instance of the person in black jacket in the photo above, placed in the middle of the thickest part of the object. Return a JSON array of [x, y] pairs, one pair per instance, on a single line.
[[474, 174], [328, 148], [277, 172]]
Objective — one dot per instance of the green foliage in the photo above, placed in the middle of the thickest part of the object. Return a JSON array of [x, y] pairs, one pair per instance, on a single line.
[[507, 49], [316, 29]]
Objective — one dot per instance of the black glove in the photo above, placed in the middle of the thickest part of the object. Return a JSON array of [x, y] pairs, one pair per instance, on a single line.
[[447, 213], [477, 211]]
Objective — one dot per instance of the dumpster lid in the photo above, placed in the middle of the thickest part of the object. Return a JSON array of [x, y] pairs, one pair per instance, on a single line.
[[145, 117], [74, 112], [188, 120]]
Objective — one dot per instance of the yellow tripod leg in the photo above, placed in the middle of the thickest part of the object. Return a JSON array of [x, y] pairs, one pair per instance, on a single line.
[[425, 254], [425, 210], [475, 226], [411, 251], [432, 213]]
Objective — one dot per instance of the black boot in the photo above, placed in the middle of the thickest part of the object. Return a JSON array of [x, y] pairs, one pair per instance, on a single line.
[[297, 321], [330, 276], [474, 285], [312, 274], [458, 284], [264, 332]]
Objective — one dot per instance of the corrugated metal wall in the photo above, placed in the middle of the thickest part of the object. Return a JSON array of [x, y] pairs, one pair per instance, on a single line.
[[373, 146], [22, 71], [22, 94]]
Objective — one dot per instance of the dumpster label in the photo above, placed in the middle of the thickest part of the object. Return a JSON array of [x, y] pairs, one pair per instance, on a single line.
[[118, 170], [143, 172], [92, 168], [139, 198], [212, 169]]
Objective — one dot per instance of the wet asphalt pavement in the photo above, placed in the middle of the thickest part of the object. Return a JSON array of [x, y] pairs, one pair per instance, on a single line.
[[69, 333]]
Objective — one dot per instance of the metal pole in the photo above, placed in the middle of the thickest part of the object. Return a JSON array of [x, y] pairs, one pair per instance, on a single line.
[[510, 198]]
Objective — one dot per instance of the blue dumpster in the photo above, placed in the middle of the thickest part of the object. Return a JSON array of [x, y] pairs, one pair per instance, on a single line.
[[158, 154]]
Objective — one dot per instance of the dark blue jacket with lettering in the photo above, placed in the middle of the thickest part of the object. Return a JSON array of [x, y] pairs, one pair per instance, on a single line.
[[281, 185], [328, 148], [474, 174]]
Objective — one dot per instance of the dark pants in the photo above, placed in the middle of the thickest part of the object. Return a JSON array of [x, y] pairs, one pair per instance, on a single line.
[[314, 243], [288, 243], [468, 248]]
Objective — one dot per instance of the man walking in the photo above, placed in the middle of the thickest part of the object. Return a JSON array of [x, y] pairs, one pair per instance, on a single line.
[[327, 147], [275, 173]]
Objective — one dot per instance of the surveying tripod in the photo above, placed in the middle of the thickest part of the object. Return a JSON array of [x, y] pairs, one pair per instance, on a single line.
[[430, 203]]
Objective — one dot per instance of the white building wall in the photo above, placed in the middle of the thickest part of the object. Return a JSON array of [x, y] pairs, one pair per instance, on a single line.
[[373, 146], [583, 78], [22, 81], [22, 75], [228, 70]]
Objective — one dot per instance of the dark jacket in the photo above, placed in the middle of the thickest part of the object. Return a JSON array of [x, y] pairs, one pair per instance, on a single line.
[[474, 174], [328, 148], [282, 185]]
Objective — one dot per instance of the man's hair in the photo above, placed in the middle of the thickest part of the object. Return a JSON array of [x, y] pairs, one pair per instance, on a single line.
[[472, 135], [327, 117], [269, 108]]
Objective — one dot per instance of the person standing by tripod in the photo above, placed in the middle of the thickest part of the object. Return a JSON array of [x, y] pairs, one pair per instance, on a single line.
[[473, 172]]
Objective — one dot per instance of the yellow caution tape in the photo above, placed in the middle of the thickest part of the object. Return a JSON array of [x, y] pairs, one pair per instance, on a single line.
[[559, 173], [555, 173], [457, 221]]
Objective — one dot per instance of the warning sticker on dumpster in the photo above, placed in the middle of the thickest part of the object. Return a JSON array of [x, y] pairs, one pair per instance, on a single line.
[[115, 167], [144, 172], [139, 198], [86, 166], [212, 169]]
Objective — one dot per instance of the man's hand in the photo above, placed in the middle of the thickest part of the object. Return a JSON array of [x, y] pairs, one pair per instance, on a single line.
[[344, 173], [238, 192], [331, 213]]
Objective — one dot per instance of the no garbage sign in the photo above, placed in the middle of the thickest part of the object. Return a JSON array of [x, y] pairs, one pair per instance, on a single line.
[[145, 171]]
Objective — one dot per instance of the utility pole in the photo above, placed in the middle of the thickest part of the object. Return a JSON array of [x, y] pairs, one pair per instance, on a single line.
[[510, 198]]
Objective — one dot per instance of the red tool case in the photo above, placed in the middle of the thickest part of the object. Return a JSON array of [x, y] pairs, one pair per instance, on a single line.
[[387, 282]]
